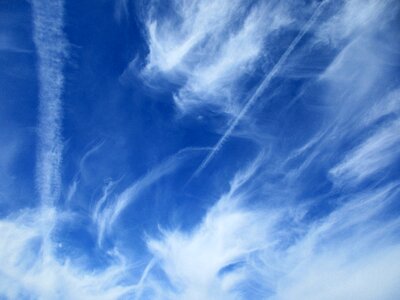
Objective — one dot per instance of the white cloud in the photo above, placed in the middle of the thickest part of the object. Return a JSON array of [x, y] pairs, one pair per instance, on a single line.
[[81, 174], [27, 269], [372, 155], [239, 250], [238, 253], [29, 263], [355, 17], [262, 86], [389, 105], [106, 213], [194, 261], [356, 93], [347, 253], [207, 46], [338, 275]]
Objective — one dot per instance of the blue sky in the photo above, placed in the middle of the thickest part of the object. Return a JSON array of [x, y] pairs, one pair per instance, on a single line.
[[210, 149]]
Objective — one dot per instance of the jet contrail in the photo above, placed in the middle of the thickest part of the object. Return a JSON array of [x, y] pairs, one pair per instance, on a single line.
[[260, 89], [50, 45]]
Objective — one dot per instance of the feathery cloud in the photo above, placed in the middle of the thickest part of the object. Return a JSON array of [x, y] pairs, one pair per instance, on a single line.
[[207, 46]]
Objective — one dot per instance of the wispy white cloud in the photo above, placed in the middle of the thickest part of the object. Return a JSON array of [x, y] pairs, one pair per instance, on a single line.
[[207, 46], [73, 187], [260, 89], [107, 189], [389, 105], [238, 252], [107, 212], [194, 261], [253, 243], [346, 252], [373, 155], [336, 275], [27, 271], [351, 75], [33, 266], [353, 18], [356, 92]]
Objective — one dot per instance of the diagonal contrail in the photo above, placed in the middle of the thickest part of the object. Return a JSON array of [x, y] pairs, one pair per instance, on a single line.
[[260, 89], [51, 48]]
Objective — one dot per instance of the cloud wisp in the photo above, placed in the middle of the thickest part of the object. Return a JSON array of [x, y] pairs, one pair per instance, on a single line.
[[27, 271], [107, 212], [373, 155], [260, 89], [238, 252], [196, 46]]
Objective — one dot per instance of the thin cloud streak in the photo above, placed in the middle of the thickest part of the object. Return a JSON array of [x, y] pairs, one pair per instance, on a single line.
[[50, 43], [105, 215], [27, 271], [73, 187], [260, 89]]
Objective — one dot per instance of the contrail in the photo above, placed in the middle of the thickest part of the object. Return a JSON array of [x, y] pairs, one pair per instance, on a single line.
[[260, 89], [50, 44]]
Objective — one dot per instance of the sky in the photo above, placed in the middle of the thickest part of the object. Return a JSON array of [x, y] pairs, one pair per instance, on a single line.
[[205, 149]]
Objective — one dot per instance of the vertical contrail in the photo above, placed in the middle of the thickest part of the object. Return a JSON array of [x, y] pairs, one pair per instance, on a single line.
[[260, 89], [51, 50]]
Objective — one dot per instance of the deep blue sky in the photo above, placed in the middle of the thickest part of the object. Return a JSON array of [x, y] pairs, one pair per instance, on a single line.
[[206, 149]]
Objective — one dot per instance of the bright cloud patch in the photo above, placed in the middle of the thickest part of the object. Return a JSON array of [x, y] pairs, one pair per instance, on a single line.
[[207, 46]]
